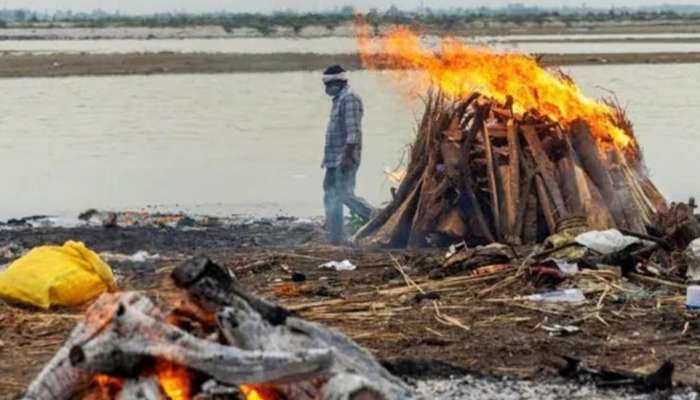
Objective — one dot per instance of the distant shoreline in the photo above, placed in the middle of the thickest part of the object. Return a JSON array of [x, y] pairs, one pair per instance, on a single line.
[[474, 29], [64, 65]]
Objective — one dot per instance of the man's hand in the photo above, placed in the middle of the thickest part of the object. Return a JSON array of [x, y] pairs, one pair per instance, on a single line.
[[347, 161]]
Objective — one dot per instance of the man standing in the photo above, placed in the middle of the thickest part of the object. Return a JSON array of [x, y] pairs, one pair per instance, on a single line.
[[342, 153]]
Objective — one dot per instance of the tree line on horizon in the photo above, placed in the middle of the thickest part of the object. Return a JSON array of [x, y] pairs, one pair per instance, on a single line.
[[266, 22]]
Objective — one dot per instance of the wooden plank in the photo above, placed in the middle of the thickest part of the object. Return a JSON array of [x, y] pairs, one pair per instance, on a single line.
[[452, 224], [547, 206], [506, 222], [631, 209], [597, 169], [634, 181], [428, 208], [547, 173], [406, 189], [530, 219], [493, 183], [567, 174], [513, 184], [526, 208], [476, 207], [394, 231]]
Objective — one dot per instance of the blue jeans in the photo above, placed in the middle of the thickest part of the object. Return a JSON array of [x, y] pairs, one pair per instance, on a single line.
[[339, 190]]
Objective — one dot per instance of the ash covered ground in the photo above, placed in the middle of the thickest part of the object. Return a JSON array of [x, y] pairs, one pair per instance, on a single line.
[[496, 349]]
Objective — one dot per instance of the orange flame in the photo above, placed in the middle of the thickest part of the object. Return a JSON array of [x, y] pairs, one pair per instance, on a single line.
[[459, 70], [257, 393], [176, 381], [108, 386]]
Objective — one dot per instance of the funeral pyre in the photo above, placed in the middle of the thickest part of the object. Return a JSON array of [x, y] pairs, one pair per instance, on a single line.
[[506, 151], [217, 342]]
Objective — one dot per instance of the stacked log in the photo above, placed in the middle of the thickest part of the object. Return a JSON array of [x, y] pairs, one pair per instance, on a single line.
[[480, 173], [228, 337]]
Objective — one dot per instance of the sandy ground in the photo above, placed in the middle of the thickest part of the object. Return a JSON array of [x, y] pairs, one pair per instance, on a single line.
[[507, 389], [59, 65], [479, 327]]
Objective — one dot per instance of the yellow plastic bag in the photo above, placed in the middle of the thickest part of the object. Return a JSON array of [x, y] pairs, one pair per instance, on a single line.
[[64, 275]]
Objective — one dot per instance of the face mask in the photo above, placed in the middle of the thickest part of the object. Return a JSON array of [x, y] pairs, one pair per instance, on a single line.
[[333, 90]]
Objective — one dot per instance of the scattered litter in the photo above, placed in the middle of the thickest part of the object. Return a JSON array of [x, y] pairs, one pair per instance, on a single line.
[[321, 291], [614, 269], [64, 275], [287, 290], [143, 256], [692, 254], [344, 265], [561, 330], [11, 251], [607, 242], [426, 296], [138, 257], [454, 249], [693, 298], [640, 294], [647, 268], [564, 296], [285, 268], [461, 258], [43, 221], [298, 277], [568, 268], [546, 274]]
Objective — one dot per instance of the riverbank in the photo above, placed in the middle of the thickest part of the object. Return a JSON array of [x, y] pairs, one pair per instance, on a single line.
[[62, 65], [463, 324]]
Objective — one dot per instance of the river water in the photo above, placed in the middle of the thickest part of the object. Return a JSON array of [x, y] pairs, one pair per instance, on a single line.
[[252, 143], [338, 45]]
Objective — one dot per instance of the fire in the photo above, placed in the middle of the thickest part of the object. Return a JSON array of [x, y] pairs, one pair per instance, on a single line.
[[176, 381], [459, 70], [257, 393], [107, 385]]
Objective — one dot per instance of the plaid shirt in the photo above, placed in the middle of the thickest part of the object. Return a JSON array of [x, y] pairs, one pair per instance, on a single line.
[[344, 127]]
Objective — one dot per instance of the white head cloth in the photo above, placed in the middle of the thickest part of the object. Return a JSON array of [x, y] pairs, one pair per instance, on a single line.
[[335, 77]]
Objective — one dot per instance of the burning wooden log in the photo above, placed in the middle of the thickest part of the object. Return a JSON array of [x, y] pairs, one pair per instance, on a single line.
[[248, 325], [247, 341], [142, 389], [131, 334], [515, 178], [60, 379]]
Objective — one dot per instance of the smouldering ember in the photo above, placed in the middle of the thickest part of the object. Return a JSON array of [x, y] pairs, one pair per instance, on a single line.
[[257, 393], [460, 70], [174, 380]]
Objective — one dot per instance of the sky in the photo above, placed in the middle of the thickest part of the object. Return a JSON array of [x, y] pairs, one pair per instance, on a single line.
[[148, 6]]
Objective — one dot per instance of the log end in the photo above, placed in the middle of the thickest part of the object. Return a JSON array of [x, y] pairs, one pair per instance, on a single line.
[[190, 271], [193, 270]]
